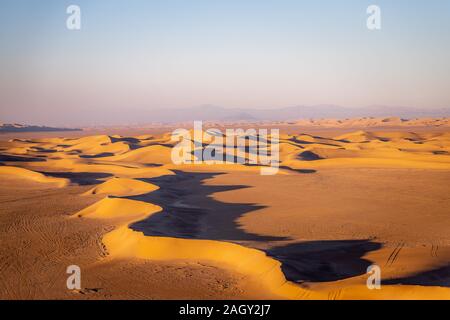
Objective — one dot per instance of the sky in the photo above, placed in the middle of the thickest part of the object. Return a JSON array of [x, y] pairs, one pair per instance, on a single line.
[[150, 54]]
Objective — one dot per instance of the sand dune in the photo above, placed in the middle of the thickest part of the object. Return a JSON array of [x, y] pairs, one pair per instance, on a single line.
[[118, 208], [368, 122], [15, 172], [369, 149], [122, 187], [155, 154], [200, 213]]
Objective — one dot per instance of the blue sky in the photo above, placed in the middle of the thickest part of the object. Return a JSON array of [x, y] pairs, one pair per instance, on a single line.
[[246, 53]]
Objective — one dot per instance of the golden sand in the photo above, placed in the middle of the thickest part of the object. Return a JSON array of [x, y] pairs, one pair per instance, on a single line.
[[125, 173]]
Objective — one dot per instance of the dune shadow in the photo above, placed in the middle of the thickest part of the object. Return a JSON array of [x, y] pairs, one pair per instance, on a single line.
[[303, 171], [309, 156], [80, 178], [190, 211], [43, 150], [435, 277], [304, 142], [298, 141], [152, 165], [100, 155], [10, 158], [133, 143], [320, 261], [129, 140]]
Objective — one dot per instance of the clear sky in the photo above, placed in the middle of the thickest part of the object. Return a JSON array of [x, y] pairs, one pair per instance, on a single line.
[[233, 53]]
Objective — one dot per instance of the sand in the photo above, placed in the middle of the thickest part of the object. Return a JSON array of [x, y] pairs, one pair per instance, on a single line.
[[142, 227]]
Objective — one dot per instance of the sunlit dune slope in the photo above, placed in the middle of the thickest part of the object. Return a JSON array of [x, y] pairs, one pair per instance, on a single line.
[[16, 172], [122, 187]]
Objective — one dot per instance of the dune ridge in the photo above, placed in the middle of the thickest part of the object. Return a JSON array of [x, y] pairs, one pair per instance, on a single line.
[[153, 154], [370, 122], [122, 187], [123, 242], [118, 163]]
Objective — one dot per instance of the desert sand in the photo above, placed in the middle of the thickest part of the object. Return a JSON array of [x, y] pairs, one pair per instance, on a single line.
[[349, 194]]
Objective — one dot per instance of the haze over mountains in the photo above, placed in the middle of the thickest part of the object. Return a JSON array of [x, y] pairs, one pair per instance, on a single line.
[[136, 116], [293, 113], [217, 113]]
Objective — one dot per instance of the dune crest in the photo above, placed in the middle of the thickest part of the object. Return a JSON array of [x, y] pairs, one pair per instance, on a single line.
[[119, 168], [123, 187], [118, 208], [124, 242], [371, 122], [32, 175]]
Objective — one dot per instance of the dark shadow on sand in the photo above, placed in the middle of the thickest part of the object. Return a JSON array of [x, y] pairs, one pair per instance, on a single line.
[[309, 156], [9, 158], [320, 261], [100, 155], [435, 277], [303, 171], [80, 178], [190, 212]]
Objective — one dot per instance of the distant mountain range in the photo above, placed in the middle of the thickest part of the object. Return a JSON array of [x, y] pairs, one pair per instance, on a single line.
[[144, 116], [26, 128], [215, 113]]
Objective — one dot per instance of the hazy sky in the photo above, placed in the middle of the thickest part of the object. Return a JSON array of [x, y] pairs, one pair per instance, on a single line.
[[133, 54]]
